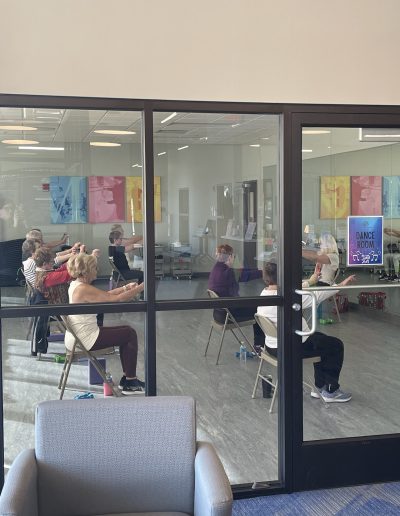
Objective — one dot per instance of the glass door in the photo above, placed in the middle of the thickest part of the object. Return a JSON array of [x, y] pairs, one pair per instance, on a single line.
[[347, 422]]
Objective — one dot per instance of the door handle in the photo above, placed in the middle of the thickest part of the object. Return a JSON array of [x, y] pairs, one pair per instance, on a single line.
[[313, 313]]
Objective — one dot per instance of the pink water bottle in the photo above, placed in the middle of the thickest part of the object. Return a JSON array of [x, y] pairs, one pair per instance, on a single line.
[[107, 386]]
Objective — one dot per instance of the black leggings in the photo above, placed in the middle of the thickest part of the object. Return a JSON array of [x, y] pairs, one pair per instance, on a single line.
[[125, 338], [331, 351]]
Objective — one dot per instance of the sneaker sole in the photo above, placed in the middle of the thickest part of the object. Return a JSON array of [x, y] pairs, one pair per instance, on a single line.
[[314, 395], [132, 393], [335, 400]]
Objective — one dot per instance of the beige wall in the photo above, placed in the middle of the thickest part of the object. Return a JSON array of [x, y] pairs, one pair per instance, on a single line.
[[310, 51]]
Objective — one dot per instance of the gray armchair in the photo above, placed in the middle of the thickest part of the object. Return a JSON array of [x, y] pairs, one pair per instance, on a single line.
[[117, 456]]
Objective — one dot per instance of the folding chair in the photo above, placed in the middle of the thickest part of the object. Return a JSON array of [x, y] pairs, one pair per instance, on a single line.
[[28, 297], [115, 273], [269, 328], [230, 324], [79, 350]]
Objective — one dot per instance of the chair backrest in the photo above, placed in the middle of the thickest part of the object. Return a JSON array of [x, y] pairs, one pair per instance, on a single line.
[[114, 269], [212, 294], [267, 326], [120, 455]]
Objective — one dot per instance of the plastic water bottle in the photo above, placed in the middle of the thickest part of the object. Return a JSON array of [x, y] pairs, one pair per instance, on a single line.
[[243, 353], [107, 385], [110, 283]]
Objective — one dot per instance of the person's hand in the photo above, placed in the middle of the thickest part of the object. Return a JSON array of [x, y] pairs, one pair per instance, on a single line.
[[96, 253], [82, 248], [64, 238], [75, 248], [349, 279]]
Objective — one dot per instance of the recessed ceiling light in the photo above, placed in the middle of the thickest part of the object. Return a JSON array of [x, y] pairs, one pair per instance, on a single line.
[[27, 147], [306, 150], [161, 153], [113, 131], [168, 118], [315, 131], [19, 142], [184, 147], [254, 145], [17, 128], [136, 165], [105, 144]]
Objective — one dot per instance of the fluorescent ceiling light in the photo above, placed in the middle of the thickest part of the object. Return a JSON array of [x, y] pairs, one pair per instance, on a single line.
[[168, 118], [105, 144], [113, 131], [381, 135], [161, 153], [47, 117], [184, 147], [19, 142], [254, 145], [265, 138], [316, 131], [17, 128], [27, 147], [136, 165], [306, 150]]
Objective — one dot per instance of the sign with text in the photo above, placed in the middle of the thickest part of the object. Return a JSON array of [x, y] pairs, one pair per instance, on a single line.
[[365, 241]]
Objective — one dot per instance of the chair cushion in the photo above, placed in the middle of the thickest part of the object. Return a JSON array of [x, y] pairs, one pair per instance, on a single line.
[[116, 456]]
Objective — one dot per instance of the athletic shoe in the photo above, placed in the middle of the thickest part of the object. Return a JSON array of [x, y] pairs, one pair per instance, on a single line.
[[392, 277], [383, 276], [123, 381], [337, 396], [132, 387], [314, 393]]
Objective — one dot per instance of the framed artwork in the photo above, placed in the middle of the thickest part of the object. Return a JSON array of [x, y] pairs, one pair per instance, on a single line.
[[391, 197], [134, 199], [335, 197], [366, 195], [68, 196], [106, 199]]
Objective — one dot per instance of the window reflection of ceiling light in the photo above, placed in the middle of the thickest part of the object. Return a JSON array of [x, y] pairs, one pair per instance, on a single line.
[[306, 150], [265, 138], [27, 147], [235, 125], [184, 147], [19, 142], [161, 153], [17, 128], [168, 118], [136, 165], [381, 135], [254, 145], [113, 131], [316, 131], [105, 144]]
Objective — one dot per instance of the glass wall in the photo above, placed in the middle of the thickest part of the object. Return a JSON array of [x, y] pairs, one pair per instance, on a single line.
[[353, 172]]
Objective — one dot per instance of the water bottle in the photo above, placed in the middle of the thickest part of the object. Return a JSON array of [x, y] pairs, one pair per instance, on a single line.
[[107, 385], [243, 353], [110, 283]]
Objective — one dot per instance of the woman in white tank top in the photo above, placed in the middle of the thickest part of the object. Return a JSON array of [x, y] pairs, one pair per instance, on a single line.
[[83, 268]]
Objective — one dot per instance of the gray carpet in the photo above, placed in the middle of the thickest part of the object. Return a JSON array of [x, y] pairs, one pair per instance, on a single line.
[[371, 500]]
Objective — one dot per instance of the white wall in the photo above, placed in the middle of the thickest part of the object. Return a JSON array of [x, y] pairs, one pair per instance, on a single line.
[[307, 51]]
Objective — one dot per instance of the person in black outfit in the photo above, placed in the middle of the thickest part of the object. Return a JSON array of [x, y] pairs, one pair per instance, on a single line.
[[117, 251]]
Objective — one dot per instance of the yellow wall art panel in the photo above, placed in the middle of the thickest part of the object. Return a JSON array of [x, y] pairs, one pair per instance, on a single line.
[[134, 199], [335, 197]]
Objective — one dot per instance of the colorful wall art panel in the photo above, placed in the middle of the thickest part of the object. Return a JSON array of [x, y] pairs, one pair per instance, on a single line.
[[106, 199], [391, 197], [335, 197], [366, 195], [134, 199], [68, 196]]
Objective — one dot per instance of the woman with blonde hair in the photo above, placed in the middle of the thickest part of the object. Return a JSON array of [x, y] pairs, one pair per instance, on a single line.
[[83, 269]]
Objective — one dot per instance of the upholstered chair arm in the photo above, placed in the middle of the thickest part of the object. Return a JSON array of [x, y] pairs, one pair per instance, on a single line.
[[213, 494], [19, 494]]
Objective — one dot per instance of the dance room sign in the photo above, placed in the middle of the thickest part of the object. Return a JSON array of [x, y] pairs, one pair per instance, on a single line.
[[365, 240]]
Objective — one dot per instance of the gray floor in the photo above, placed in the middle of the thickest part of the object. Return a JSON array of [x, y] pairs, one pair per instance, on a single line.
[[243, 431]]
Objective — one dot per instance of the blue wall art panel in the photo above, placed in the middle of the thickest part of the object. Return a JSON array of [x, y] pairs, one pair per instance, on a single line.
[[391, 197], [68, 199]]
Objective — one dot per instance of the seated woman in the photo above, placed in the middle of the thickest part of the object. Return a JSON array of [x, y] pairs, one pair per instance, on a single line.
[[83, 268], [37, 234], [327, 257], [329, 348], [117, 251], [223, 282]]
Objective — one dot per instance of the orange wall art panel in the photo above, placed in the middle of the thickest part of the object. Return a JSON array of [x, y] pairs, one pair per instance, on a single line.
[[134, 199], [335, 197]]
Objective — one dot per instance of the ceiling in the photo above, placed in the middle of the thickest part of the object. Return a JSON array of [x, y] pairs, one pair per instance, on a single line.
[[56, 127]]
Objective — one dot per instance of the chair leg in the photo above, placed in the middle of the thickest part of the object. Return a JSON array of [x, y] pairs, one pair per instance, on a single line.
[[337, 309], [30, 326], [208, 342], [257, 378], [222, 339], [65, 373], [271, 408]]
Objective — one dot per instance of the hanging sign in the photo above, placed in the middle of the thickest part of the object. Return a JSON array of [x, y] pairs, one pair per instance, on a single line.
[[365, 241]]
